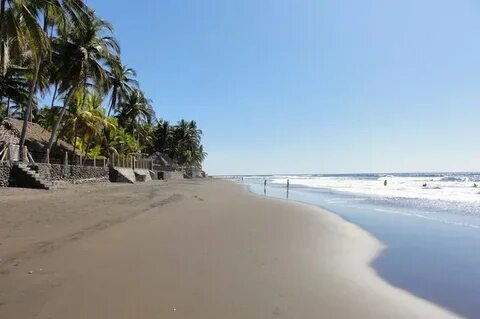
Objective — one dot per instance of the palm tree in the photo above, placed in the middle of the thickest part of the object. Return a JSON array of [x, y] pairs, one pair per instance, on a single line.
[[85, 119], [122, 82], [121, 142], [14, 87], [146, 137], [40, 48], [134, 111], [71, 14], [46, 117], [163, 135], [61, 46], [22, 40], [198, 156], [81, 54], [38, 43], [20, 31], [185, 143]]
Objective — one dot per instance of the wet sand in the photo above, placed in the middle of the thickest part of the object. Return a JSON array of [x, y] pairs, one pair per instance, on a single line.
[[186, 249]]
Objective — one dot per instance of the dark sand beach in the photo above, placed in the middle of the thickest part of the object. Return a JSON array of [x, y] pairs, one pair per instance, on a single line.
[[187, 249]]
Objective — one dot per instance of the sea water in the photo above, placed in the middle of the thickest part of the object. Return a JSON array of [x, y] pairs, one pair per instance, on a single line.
[[429, 222]]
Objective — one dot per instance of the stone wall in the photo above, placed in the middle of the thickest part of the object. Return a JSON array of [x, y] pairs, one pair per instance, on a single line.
[[58, 173], [4, 174], [72, 173]]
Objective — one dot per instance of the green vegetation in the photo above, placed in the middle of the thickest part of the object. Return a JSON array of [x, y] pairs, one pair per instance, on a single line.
[[63, 50]]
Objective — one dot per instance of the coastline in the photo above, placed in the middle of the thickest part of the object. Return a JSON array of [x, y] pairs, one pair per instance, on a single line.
[[188, 249], [430, 249]]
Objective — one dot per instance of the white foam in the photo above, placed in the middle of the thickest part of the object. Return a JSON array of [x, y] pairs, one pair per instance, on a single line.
[[444, 188]]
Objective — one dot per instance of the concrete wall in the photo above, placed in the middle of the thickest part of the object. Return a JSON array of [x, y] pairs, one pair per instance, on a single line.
[[170, 175], [142, 175], [128, 175], [194, 173], [122, 175], [153, 175]]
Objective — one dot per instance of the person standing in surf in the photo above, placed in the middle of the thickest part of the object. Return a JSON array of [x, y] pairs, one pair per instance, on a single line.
[[288, 186]]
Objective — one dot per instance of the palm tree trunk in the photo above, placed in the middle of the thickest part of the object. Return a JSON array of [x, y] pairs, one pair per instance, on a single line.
[[34, 84], [2, 44], [114, 100], [33, 88], [45, 21], [138, 133], [2, 12], [28, 111], [8, 107], [54, 97], [84, 95], [74, 139], [112, 105], [87, 147], [57, 124]]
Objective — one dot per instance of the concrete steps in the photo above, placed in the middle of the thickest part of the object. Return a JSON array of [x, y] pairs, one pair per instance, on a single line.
[[24, 176], [122, 175], [142, 175]]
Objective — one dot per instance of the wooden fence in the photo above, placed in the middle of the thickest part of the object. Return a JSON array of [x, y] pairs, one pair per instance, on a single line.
[[131, 161]]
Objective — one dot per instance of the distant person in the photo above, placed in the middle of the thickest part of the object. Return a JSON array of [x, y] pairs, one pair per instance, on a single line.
[[385, 183], [424, 185], [288, 183]]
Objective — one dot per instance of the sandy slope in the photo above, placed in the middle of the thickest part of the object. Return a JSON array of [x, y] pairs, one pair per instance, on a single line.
[[186, 249]]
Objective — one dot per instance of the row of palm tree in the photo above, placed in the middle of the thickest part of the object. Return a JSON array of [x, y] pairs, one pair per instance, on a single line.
[[182, 142], [62, 49]]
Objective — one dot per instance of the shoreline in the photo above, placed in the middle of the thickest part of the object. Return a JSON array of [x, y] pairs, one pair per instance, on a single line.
[[381, 249], [422, 250], [190, 249]]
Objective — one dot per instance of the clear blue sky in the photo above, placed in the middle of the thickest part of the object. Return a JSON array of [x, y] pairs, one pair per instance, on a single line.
[[312, 86]]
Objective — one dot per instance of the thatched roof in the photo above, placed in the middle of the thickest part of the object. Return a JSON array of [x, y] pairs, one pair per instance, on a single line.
[[37, 137]]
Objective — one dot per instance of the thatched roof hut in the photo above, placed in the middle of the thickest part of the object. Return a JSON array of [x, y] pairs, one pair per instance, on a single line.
[[36, 140]]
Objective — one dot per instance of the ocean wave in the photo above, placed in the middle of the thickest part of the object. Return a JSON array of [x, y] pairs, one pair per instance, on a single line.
[[455, 179], [447, 187]]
